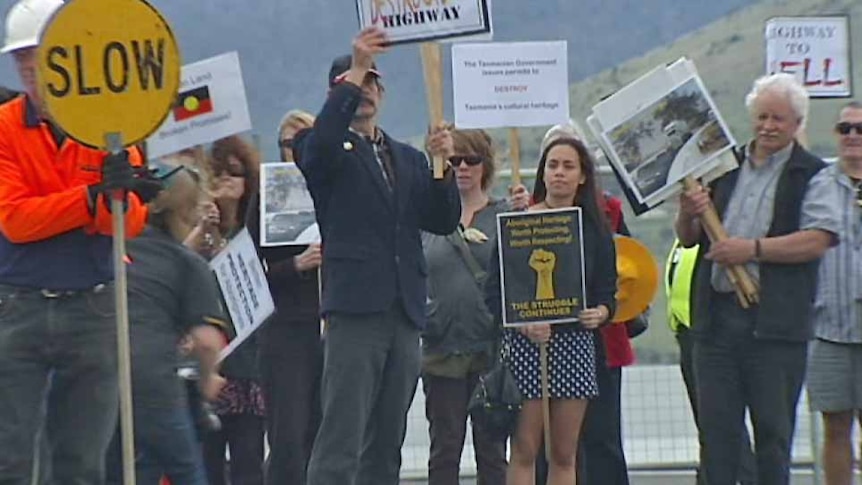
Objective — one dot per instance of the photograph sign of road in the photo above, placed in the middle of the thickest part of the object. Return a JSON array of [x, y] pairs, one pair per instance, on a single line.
[[108, 66]]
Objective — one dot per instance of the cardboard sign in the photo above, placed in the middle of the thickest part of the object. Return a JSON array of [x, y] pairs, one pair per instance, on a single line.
[[510, 85], [210, 105], [541, 266], [414, 21], [108, 67], [660, 129], [815, 49], [244, 288], [286, 209]]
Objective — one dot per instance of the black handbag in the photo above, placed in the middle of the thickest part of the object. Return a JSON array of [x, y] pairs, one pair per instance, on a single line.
[[638, 324], [496, 402]]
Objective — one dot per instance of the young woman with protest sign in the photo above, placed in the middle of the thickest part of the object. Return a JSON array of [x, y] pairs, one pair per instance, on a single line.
[[565, 178]]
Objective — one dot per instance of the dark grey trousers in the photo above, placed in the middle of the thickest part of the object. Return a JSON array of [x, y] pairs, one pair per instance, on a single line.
[[290, 363], [734, 371], [747, 474], [446, 401], [72, 339], [370, 372]]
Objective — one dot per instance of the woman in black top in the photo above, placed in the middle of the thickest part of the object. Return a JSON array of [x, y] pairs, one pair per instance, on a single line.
[[290, 355], [565, 178]]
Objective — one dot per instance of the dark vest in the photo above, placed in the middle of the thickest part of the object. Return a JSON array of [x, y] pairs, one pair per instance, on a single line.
[[786, 290]]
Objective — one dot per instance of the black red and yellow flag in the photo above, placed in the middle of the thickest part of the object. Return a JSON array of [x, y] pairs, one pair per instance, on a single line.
[[192, 103]]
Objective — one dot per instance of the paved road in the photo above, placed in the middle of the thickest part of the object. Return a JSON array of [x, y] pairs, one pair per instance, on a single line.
[[800, 477]]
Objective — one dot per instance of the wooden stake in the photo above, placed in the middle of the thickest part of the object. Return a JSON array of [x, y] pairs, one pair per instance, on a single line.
[[515, 155], [746, 289], [546, 399], [431, 68]]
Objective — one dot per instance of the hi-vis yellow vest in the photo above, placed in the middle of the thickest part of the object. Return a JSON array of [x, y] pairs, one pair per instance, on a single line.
[[679, 271]]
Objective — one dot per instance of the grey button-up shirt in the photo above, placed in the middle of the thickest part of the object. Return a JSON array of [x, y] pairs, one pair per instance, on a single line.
[[839, 287], [750, 209]]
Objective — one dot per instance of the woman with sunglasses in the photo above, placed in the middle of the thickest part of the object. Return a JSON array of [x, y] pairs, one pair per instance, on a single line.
[[566, 177], [461, 341], [234, 164]]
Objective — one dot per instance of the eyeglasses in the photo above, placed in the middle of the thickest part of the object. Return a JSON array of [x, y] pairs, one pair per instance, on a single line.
[[470, 160], [286, 143], [845, 127]]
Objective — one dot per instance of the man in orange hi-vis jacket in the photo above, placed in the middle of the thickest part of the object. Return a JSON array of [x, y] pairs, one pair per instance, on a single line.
[[57, 331]]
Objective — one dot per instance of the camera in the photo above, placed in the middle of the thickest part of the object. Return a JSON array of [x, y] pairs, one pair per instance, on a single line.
[[204, 417]]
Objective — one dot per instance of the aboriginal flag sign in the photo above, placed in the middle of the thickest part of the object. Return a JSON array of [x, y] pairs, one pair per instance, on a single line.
[[192, 103]]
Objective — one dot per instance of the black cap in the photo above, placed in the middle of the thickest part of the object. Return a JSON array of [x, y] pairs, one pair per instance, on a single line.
[[340, 66]]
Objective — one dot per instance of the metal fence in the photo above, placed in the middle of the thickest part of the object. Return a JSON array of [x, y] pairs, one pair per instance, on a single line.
[[658, 428]]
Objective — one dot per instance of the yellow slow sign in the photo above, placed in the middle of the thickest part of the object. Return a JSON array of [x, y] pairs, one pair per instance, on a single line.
[[108, 66]]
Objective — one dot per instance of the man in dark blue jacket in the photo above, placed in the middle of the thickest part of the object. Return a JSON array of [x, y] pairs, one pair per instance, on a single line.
[[373, 196]]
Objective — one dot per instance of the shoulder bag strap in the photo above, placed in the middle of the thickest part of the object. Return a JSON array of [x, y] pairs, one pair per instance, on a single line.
[[457, 239]]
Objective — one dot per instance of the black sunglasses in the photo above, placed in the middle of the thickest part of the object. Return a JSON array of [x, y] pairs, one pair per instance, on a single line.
[[286, 143], [845, 127], [470, 160]]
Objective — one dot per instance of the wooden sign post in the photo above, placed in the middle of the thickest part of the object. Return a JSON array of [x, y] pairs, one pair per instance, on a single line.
[[746, 289], [431, 67], [515, 161], [515, 156]]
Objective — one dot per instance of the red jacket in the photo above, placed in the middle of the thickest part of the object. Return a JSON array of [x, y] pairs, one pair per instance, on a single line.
[[618, 348]]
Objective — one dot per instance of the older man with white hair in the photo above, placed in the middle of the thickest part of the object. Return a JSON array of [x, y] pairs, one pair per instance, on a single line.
[[780, 223]]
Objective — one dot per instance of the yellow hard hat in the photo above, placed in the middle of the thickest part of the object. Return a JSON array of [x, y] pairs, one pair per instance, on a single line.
[[637, 278]]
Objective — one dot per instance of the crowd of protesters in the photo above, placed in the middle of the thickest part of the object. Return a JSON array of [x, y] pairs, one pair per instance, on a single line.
[[404, 286]]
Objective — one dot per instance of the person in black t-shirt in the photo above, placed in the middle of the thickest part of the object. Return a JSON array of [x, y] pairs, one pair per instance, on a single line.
[[172, 294]]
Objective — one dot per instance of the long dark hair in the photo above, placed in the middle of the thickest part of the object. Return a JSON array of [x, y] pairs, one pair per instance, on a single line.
[[589, 196]]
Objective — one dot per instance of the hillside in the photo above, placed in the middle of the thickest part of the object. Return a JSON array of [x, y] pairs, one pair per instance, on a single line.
[[285, 46], [729, 54]]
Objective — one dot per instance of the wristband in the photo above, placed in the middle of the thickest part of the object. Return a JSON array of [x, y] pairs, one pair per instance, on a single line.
[[758, 253]]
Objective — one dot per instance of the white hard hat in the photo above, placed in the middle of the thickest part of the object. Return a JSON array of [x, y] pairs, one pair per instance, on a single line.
[[25, 21]]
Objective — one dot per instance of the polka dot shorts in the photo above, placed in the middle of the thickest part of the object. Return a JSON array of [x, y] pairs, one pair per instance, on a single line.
[[571, 364]]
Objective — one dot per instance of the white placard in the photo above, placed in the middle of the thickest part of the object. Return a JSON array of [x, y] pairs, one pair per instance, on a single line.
[[286, 209], [815, 49], [244, 287], [211, 104], [660, 129], [510, 84], [414, 21]]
